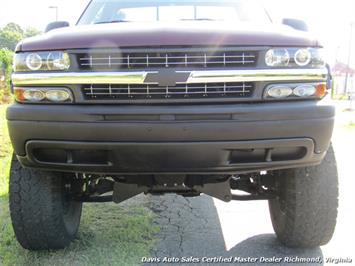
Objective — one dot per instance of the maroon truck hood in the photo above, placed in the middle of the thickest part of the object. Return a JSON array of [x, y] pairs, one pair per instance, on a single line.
[[158, 34]]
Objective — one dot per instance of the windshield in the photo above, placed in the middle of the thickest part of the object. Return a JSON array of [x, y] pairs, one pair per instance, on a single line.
[[111, 11]]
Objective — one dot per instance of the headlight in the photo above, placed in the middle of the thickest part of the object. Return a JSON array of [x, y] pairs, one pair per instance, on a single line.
[[58, 61], [277, 57], [33, 95], [57, 95], [305, 90], [294, 57], [295, 91], [279, 91], [302, 57], [41, 61], [43, 95], [33, 62]]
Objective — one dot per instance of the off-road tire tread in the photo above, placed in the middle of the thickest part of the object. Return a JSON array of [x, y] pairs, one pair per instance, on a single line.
[[310, 198], [36, 208]]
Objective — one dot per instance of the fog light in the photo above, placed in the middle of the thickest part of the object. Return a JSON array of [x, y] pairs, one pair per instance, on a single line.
[[57, 95], [303, 57], [43, 95], [277, 57], [304, 91], [34, 61], [279, 92], [33, 95]]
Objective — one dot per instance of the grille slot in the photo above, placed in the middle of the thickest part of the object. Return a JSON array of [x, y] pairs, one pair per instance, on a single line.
[[180, 91], [114, 60]]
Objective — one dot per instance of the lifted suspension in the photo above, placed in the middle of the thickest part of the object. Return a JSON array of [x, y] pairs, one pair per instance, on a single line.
[[91, 188]]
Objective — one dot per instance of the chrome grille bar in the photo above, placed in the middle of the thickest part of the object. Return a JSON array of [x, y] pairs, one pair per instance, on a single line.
[[138, 77], [170, 64], [165, 60], [132, 91]]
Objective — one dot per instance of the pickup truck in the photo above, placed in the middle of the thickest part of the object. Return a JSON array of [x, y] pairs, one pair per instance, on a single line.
[[165, 96]]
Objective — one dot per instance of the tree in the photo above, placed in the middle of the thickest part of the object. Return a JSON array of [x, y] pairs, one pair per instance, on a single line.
[[13, 27], [30, 32], [12, 34], [5, 68], [9, 38]]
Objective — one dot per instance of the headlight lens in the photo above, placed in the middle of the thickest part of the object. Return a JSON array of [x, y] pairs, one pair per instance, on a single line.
[[304, 90], [41, 61], [33, 61], [302, 57], [57, 95], [296, 91], [58, 61], [279, 91], [277, 57], [294, 57], [33, 95], [43, 95]]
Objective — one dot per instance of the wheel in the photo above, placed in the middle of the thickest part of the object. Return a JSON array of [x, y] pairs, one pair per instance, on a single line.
[[305, 211], [43, 216]]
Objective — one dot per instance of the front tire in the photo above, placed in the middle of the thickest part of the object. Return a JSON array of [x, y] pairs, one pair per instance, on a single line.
[[42, 214], [304, 214]]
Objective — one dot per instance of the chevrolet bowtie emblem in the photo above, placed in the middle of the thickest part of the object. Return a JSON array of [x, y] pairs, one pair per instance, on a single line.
[[167, 77]]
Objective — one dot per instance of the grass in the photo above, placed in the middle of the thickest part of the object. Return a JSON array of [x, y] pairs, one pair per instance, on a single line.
[[109, 234], [350, 125], [5, 152], [340, 97]]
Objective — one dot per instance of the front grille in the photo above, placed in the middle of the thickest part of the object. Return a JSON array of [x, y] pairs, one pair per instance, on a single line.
[[180, 91], [142, 60]]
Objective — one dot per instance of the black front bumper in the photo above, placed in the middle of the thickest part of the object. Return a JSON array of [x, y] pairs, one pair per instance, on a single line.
[[209, 139]]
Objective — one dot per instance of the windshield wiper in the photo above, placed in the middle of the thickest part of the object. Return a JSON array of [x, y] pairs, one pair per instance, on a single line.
[[112, 21]]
